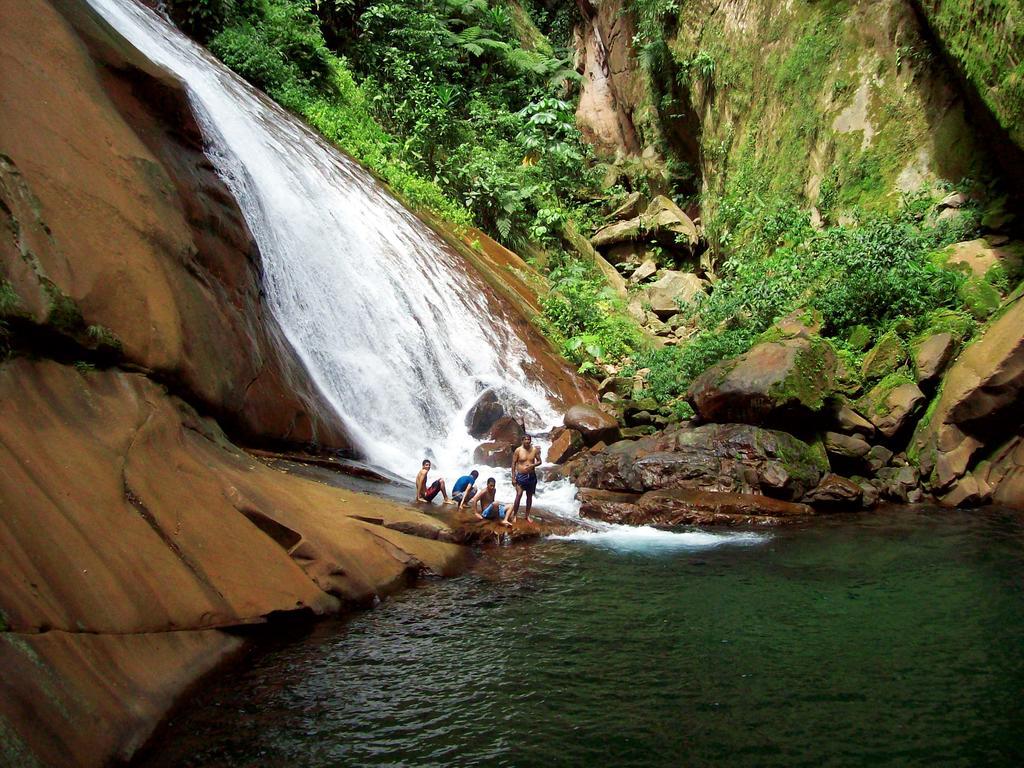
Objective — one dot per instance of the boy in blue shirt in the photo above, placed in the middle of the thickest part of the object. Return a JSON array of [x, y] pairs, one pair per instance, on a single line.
[[464, 487]]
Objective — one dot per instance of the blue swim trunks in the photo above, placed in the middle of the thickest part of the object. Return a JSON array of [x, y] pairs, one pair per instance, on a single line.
[[527, 481], [494, 510]]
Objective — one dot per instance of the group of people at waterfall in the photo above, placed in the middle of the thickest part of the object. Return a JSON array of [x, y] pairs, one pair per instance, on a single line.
[[481, 499]]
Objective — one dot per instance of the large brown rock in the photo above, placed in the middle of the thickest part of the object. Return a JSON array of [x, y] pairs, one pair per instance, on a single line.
[[835, 492], [672, 290], [767, 384], [592, 423], [566, 444], [127, 514], [713, 457], [889, 406], [610, 506], [116, 221], [932, 355], [482, 415]]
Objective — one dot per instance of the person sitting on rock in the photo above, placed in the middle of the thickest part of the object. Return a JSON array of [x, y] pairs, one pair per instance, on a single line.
[[425, 493], [488, 508], [464, 488]]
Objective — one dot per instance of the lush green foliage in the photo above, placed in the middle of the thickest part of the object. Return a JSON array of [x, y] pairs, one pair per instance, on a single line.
[[587, 319]]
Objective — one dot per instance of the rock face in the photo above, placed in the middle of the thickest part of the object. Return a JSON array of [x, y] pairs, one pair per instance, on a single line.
[[979, 405], [592, 423], [713, 457], [161, 533], [167, 272], [768, 382]]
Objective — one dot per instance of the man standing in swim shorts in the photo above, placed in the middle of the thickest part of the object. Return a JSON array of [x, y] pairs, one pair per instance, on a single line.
[[525, 461], [425, 493]]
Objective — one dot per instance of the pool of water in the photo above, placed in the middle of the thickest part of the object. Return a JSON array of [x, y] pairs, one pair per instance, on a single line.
[[890, 639]]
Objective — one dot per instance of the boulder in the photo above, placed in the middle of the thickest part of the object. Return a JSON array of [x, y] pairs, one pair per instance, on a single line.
[[493, 454], [800, 322], [883, 358], [645, 271], [482, 415], [846, 446], [565, 444], [835, 492], [952, 200], [968, 491], [891, 403], [931, 356], [620, 385], [618, 232], [592, 423], [770, 381], [713, 457], [672, 290], [664, 216], [851, 422], [507, 430], [630, 208], [878, 457]]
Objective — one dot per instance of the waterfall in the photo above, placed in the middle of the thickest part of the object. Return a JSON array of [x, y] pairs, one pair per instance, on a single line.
[[381, 311]]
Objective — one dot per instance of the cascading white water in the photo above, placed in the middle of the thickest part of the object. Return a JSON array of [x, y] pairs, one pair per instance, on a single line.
[[379, 309]]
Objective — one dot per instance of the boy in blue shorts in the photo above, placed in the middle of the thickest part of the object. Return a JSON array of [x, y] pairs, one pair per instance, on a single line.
[[489, 509]]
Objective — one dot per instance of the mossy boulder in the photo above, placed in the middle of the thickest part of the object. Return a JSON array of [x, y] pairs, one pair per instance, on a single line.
[[767, 384], [980, 297], [884, 358], [891, 403]]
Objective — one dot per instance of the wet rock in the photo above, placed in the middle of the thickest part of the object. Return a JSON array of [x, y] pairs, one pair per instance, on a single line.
[[884, 358], [672, 290], [1003, 473], [771, 380], [682, 506], [592, 423], [869, 497], [564, 445], [610, 506], [897, 483], [714, 457], [483, 414], [889, 407], [507, 430], [846, 446], [494, 454], [932, 355], [968, 491], [835, 492]]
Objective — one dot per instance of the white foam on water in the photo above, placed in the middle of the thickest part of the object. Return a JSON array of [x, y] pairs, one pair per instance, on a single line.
[[645, 539]]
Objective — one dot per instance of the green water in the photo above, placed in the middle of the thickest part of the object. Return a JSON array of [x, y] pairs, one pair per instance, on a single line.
[[891, 639]]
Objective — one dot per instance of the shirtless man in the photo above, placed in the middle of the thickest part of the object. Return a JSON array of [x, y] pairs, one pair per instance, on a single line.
[[487, 507], [525, 461], [425, 493]]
